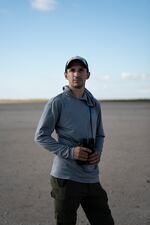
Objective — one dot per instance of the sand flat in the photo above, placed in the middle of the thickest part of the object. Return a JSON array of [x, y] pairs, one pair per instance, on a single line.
[[125, 165]]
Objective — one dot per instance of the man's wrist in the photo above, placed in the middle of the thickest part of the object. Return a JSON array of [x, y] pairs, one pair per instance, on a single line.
[[72, 152]]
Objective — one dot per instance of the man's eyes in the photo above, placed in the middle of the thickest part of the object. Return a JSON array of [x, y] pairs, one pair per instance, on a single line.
[[74, 70]]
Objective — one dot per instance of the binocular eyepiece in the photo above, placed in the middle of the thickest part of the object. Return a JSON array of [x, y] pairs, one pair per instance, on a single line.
[[88, 143]]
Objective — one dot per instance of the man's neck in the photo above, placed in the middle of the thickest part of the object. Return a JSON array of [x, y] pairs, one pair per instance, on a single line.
[[77, 92]]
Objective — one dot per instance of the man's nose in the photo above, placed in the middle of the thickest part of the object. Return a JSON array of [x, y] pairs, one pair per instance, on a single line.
[[76, 73]]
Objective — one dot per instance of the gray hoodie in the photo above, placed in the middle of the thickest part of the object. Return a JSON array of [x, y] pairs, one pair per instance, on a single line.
[[73, 119]]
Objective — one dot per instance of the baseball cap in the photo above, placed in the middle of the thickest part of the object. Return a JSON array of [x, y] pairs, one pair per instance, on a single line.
[[77, 58]]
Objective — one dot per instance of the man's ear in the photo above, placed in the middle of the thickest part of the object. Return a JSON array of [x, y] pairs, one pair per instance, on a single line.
[[65, 74], [88, 75]]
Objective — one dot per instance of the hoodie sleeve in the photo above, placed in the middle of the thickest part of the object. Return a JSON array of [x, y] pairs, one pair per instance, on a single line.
[[45, 128], [99, 132]]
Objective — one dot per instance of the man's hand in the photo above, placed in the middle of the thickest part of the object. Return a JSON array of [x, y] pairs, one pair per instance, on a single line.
[[81, 153], [94, 158]]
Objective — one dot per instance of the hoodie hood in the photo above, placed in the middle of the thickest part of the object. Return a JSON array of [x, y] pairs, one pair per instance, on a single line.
[[87, 96]]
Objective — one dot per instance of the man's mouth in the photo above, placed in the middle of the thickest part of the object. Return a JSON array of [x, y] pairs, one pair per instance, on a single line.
[[76, 80]]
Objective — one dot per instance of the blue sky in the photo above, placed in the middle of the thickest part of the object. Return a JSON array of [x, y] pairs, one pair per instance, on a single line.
[[37, 37]]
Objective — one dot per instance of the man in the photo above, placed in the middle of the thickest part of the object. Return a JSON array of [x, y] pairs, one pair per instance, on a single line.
[[75, 115]]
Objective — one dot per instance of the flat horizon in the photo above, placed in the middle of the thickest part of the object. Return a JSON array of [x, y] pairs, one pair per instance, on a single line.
[[43, 100]]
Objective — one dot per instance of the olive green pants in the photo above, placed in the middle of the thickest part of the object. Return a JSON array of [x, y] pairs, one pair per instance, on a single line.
[[69, 195]]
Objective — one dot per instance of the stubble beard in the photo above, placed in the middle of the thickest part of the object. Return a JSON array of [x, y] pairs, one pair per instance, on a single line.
[[79, 85]]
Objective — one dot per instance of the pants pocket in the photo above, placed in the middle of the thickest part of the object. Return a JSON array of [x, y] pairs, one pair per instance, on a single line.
[[58, 188]]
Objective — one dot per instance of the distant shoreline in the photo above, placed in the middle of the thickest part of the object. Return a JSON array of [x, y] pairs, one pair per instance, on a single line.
[[22, 101], [31, 101]]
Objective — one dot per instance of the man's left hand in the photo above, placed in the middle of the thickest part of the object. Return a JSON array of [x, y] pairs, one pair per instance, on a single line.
[[94, 158]]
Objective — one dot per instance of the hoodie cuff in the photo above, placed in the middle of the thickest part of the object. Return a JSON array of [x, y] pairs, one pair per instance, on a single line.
[[72, 153]]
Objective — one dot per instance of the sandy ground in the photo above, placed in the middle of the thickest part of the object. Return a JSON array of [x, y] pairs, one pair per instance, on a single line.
[[125, 165]]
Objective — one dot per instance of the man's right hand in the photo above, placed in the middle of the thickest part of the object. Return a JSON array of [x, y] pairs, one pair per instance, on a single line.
[[81, 153]]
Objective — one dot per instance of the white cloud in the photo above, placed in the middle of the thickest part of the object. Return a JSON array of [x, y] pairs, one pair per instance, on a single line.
[[44, 5], [125, 76], [129, 76], [104, 77], [145, 91], [145, 76]]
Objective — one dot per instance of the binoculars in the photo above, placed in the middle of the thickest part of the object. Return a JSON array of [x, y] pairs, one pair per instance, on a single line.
[[87, 143]]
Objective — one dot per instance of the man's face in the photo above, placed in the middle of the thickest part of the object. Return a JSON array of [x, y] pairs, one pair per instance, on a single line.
[[77, 75]]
